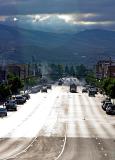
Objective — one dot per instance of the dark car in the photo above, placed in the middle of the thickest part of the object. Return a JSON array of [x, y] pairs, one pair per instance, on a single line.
[[26, 95], [20, 99], [84, 90], [106, 104], [44, 89], [60, 82], [36, 89], [94, 89], [91, 93], [3, 112], [110, 110], [49, 86], [73, 88], [11, 105]]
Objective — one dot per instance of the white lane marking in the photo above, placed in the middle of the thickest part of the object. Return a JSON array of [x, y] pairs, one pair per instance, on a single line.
[[22, 151], [65, 139]]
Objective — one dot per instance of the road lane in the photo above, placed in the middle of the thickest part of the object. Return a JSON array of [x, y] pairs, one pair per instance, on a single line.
[[26, 122], [90, 132]]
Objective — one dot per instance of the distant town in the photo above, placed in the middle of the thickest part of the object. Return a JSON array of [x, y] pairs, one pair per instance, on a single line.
[[102, 69]]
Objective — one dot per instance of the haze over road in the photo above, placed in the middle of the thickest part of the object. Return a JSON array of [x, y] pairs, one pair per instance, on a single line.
[[90, 132]]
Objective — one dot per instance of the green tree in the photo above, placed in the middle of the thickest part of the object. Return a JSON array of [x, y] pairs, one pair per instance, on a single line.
[[111, 90], [53, 71], [72, 71], [90, 78], [108, 84], [14, 83], [105, 84], [67, 71], [81, 71], [5, 92], [60, 68], [32, 81]]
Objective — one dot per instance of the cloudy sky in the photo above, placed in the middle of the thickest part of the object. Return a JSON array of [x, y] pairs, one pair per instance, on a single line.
[[59, 15]]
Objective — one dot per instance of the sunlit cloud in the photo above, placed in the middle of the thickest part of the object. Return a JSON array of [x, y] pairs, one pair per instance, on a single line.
[[95, 23], [41, 18], [15, 19], [59, 22], [67, 18], [38, 17], [75, 18]]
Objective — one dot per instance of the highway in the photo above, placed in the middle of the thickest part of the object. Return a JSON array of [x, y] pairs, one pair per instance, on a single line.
[[90, 132], [71, 126]]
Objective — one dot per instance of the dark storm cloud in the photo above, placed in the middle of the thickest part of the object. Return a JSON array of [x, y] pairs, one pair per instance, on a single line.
[[8, 7], [85, 13]]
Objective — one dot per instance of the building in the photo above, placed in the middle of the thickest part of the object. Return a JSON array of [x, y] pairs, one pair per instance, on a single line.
[[111, 71], [105, 69], [19, 70], [22, 71]]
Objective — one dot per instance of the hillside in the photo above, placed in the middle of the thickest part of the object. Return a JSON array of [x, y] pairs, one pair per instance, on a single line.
[[90, 45], [19, 45], [30, 37]]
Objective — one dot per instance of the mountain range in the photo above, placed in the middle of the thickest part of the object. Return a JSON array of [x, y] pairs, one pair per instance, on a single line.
[[19, 45]]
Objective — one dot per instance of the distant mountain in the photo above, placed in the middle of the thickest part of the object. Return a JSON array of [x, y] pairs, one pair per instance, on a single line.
[[19, 45], [30, 37], [90, 45]]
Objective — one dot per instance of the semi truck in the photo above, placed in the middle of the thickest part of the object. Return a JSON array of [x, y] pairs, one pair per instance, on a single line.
[[73, 88]]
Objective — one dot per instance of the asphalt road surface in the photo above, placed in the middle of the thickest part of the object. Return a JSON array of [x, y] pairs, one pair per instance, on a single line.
[[90, 132]]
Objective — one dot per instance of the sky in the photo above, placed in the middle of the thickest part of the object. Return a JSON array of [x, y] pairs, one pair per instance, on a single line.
[[59, 15]]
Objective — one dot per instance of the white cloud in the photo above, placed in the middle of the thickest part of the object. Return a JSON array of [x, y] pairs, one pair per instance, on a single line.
[[66, 17], [59, 22], [38, 17], [75, 18], [85, 23]]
